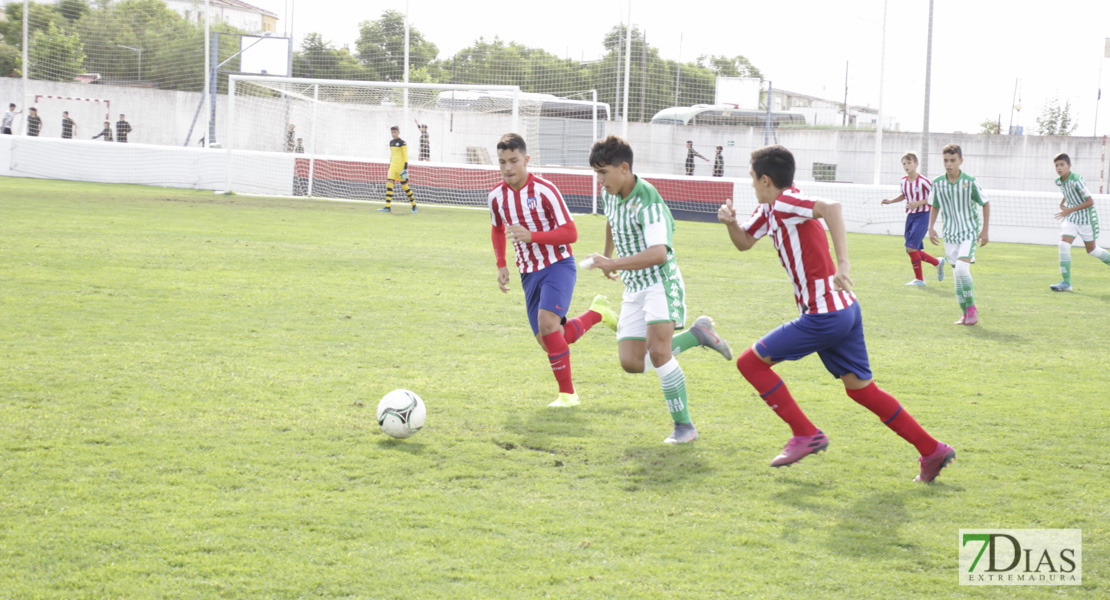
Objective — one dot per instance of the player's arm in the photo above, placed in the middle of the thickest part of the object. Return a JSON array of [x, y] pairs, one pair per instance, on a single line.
[[1064, 212], [566, 233], [739, 236], [933, 237], [497, 236], [604, 261], [900, 198], [830, 211], [977, 194]]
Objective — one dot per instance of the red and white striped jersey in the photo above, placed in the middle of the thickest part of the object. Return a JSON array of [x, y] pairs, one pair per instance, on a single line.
[[916, 191], [803, 251], [538, 206]]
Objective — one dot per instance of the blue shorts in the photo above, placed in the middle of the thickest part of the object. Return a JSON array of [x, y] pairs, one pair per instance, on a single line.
[[550, 288], [917, 225], [836, 337]]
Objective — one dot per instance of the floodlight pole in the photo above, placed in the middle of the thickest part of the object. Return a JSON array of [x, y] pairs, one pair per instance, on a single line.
[[928, 84], [406, 75], [879, 123], [213, 82], [627, 69], [26, 64], [139, 76]]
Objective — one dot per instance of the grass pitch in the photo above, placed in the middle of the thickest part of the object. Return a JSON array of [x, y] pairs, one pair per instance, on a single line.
[[188, 385]]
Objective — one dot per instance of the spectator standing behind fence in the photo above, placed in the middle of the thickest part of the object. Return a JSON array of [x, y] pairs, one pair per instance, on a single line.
[[300, 146], [122, 129], [425, 145], [719, 163], [690, 154], [68, 126], [9, 118], [291, 138], [106, 133], [34, 122]]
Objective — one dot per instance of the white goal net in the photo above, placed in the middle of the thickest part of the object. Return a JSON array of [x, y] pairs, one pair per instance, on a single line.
[[324, 138]]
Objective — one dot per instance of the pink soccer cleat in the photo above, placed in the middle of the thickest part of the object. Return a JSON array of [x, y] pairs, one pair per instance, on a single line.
[[799, 447], [932, 464], [972, 316], [962, 321]]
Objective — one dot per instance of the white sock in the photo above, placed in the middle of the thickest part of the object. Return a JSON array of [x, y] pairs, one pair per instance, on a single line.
[[1100, 254], [647, 363]]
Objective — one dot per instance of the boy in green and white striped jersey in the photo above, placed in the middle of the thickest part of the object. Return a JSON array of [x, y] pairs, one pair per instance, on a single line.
[[1077, 211], [959, 197], [641, 230]]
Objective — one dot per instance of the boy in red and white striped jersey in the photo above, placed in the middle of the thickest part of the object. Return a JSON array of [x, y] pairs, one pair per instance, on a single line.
[[830, 324], [532, 213], [915, 191]]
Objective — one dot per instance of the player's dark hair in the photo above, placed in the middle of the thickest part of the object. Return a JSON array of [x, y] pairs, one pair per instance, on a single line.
[[611, 151], [912, 156], [395, 128], [775, 162], [512, 141], [953, 149], [1062, 156], [719, 148]]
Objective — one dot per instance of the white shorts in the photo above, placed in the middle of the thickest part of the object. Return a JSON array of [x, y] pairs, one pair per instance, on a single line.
[[655, 304], [954, 251], [1084, 232]]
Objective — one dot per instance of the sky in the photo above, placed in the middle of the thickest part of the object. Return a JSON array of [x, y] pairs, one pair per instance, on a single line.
[[988, 56]]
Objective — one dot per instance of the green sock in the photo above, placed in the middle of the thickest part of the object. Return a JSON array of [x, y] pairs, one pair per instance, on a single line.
[[683, 341], [1065, 270], [673, 381]]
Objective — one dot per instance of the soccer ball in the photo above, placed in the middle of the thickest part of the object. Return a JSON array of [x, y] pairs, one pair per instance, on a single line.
[[401, 413]]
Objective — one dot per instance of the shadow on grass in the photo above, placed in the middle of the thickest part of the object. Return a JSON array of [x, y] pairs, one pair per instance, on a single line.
[[985, 333], [543, 428], [395, 445], [871, 526], [662, 465]]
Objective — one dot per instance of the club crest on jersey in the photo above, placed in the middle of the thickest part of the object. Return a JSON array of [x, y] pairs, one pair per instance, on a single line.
[[531, 203]]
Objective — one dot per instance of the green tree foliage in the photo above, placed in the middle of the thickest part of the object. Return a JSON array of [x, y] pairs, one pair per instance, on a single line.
[[10, 60], [990, 127], [381, 47], [1056, 120], [501, 63], [736, 66], [55, 55], [42, 15], [73, 10], [320, 59]]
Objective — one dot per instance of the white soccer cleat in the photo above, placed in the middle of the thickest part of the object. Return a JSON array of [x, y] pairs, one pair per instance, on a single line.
[[565, 401]]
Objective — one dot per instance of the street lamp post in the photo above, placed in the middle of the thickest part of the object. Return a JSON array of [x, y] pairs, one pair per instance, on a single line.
[[140, 51]]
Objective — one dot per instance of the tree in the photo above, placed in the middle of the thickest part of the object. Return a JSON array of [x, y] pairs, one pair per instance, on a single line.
[[990, 127], [42, 15], [55, 55], [321, 60], [1056, 120], [381, 47], [723, 66], [10, 61], [498, 62]]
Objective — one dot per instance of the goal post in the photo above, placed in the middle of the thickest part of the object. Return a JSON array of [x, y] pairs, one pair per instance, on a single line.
[[330, 138]]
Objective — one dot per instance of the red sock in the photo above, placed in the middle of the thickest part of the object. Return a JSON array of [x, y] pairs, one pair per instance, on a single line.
[[915, 260], [770, 387], [929, 259], [559, 354], [888, 410], [578, 326]]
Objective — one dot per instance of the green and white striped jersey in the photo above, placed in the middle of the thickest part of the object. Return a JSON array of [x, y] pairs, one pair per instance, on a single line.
[[959, 207], [638, 222], [1075, 193]]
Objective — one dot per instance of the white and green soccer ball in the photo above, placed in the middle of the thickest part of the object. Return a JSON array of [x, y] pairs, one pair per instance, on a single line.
[[401, 413]]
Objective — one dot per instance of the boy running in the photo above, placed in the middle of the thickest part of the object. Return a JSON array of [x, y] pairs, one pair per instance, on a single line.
[[958, 196], [830, 323], [641, 230], [398, 169], [532, 213], [915, 191], [1077, 211]]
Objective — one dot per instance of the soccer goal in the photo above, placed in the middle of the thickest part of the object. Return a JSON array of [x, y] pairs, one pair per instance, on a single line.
[[331, 138], [88, 115]]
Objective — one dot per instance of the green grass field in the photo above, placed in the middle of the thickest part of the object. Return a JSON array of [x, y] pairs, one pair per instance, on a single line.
[[188, 385]]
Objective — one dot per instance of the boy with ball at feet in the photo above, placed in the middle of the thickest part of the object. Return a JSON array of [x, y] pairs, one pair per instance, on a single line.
[[915, 191], [1077, 211], [532, 213], [830, 324], [640, 229]]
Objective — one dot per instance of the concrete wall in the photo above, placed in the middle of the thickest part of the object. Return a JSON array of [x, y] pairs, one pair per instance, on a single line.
[[1022, 163]]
